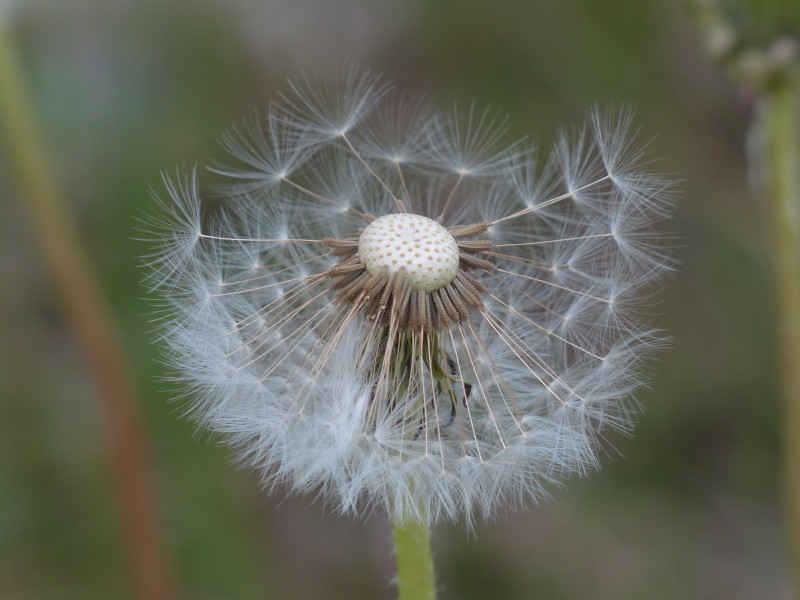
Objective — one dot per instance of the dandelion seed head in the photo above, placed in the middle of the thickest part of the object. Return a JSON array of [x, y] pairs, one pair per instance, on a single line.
[[396, 307]]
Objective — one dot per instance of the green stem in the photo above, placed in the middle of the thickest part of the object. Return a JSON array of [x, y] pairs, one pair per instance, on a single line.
[[779, 129], [412, 551], [84, 305]]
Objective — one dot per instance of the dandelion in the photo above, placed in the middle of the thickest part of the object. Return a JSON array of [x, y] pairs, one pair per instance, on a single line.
[[391, 307]]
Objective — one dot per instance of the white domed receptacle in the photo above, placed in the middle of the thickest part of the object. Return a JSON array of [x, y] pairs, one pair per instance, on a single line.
[[422, 246]]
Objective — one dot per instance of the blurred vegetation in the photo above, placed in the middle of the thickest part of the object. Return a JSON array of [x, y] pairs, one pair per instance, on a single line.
[[125, 89], [760, 21]]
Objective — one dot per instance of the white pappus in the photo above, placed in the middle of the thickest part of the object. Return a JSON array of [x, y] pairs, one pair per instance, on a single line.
[[392, 307]]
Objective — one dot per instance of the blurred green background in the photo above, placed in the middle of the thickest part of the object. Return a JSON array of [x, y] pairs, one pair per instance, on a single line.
[[688, 507]]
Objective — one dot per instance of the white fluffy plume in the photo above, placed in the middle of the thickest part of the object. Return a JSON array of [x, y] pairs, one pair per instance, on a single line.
[[356, 385]]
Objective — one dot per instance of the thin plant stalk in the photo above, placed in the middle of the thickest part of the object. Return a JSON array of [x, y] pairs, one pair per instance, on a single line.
[[87, 312], [412, 549], [772, 74], [778, 126]]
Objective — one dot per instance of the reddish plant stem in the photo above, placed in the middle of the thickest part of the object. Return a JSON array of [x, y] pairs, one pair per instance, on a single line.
[[130, 459]]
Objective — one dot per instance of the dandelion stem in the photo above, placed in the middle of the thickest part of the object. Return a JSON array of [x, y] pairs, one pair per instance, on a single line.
[[90, 318], [779, 129], [412, 551]]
